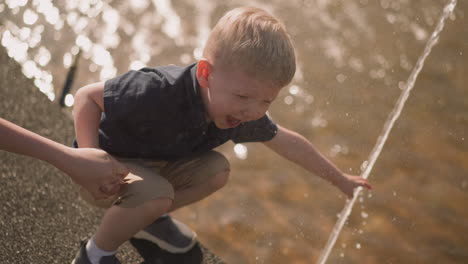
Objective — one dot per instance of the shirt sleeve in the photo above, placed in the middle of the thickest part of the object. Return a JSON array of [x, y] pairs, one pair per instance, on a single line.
[[263, 129]]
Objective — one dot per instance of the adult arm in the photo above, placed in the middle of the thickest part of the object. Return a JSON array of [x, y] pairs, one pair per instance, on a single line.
[[301, 151], [93, 169]]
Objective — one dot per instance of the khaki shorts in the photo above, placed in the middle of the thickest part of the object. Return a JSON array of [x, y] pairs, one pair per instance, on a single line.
[[152, 179]]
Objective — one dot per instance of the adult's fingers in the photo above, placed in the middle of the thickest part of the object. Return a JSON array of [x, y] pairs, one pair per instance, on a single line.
[[110, 189], [98, 194], [119, 169], [96, 198]]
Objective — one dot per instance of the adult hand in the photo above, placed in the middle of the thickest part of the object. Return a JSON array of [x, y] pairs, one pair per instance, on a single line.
[[96, 171]]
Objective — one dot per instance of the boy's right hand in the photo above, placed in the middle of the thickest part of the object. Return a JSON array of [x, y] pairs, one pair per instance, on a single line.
[[96, 171]]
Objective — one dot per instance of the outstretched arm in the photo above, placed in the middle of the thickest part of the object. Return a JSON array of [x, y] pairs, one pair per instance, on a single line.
[[93, 169], [299, 150]]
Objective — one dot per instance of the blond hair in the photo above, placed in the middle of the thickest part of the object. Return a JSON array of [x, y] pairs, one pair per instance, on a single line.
[[251, 39]]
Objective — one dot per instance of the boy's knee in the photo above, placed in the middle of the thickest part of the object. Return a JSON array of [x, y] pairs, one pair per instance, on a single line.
[[220, 180], [157, 207], [221, 165], [218, 162]]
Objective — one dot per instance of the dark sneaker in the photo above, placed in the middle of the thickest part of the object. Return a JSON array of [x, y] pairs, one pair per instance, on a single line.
[[153, 254], [169, 234], [82, 257]]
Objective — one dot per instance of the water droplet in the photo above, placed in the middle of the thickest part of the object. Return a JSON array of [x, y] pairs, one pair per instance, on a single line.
[[319, 121], [356, 64], [17, 3], [69, 100], [377, 74], [93, 67], [139, 6], [67, 59], [288, 100], [24, 33], [341, 78], [418, 32], [294, 89], [335, 150], [241, 151], [185, 58], [43, 56], [83, 42], [197, 53], [364, 165], [136, 65], [391, 18], [401, 85]]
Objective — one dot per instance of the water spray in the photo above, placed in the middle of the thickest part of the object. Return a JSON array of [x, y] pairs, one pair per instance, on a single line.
[[392, 118]]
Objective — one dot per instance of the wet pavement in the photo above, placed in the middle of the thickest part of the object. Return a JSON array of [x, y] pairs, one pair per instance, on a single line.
[[42, 218]]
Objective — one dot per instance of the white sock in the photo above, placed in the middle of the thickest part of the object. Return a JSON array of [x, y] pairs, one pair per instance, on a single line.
[[95, 253]]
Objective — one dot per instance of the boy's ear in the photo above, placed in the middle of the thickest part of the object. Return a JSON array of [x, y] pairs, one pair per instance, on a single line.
[[203, 72]]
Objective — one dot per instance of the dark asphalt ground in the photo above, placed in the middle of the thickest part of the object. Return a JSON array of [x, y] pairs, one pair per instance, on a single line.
[[42, 218]]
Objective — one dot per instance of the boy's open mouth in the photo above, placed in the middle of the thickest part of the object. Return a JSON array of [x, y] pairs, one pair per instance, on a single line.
[[232, 122]]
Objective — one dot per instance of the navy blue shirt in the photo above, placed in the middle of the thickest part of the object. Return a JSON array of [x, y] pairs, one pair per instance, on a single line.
[[158, 113]]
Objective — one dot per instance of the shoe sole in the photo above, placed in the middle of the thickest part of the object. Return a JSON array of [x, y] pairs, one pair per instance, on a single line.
[[163, 244]]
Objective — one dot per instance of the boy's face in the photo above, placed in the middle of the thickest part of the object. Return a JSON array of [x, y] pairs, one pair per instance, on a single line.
[[232, 97]]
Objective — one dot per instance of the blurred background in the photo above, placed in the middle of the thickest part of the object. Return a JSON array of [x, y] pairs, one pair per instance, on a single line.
[[353, 60]]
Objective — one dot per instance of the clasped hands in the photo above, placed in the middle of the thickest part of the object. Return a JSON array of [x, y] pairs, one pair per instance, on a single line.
[[96, 171]]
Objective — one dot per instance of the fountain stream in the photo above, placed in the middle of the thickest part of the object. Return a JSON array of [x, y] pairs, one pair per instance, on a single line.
[[392, 118]]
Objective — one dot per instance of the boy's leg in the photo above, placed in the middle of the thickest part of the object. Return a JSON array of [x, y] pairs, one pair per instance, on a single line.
[[197, 177], [197, 192], [193, 178], [117, 226], [145, 197], [120, 223]]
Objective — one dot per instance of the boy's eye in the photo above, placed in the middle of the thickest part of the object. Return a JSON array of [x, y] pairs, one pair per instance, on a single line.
[[242, 96]]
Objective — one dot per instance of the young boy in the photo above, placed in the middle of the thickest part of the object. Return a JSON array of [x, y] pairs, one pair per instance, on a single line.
[[163, 123]]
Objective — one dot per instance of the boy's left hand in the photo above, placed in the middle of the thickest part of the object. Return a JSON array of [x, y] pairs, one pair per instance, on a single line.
[[348, 182]]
